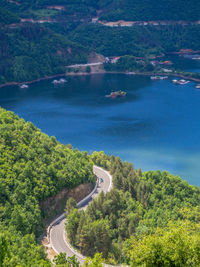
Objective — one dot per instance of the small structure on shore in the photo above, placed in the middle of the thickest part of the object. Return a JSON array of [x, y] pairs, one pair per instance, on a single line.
[[116, 94], [23, 86]]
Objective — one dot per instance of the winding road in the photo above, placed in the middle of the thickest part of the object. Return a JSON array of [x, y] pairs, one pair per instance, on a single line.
[[57, 227]]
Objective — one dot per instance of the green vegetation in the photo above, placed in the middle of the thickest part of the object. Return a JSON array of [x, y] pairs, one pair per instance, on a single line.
[[139, 207], [61, 260], [33, 167], [178, 245], [139, 41], [7, 17], [71, 204], [32, 51], [112, 10], [130, 63], [43, 13], [116, 41], [188, 75], [148, 219], [17, 249], [151, 10]]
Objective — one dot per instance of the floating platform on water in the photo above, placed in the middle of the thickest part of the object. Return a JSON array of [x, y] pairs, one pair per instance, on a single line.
[[117, 94], [182, 81]]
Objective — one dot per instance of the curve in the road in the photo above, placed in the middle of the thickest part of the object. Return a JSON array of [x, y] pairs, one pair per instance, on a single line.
[[56, 230]]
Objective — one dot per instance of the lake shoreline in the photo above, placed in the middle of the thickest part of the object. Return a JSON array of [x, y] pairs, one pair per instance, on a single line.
[[102, 72], [32, 81]]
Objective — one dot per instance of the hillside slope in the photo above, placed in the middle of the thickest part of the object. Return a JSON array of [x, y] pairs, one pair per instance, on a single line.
[[152, 10], [33, 167]]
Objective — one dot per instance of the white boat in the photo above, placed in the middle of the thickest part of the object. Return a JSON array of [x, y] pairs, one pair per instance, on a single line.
[[130, 73], [196, 58], [23, 86], [59, 81], [175, 81], [159, 77], [163, 77], [55, 82], [197, 86], [62, 80]]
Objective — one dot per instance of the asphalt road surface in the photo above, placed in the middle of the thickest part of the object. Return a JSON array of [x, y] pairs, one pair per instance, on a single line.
[[57, 232]]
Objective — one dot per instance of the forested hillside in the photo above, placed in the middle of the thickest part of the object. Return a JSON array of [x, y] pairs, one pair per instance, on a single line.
[[33, 51], [152, 10], [33, 167], [112, 10], [137, 40], [124, 224]]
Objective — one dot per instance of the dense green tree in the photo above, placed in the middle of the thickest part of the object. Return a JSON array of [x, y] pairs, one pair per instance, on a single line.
[[3, 249], [178, 245], [71, 204], [97, 261], [72, 224], [60, 259]]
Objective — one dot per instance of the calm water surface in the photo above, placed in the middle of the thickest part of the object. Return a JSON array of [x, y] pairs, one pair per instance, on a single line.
[[156, 126]]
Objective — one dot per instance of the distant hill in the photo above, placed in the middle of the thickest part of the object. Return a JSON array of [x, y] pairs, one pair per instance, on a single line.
[[151, 10], [110, 10]]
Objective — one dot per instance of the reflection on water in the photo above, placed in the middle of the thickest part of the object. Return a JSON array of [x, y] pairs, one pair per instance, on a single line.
[[156, 126]]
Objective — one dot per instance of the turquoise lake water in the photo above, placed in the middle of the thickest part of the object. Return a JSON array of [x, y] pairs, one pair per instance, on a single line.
[[156, 126]]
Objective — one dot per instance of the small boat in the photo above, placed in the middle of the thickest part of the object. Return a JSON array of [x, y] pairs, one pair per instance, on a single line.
[[130, 73], [175, 81], [116, 94], [55, 82], [197, 86], [23, 86], [59, 81], [62, 80], [159, 77], [196, 58]]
